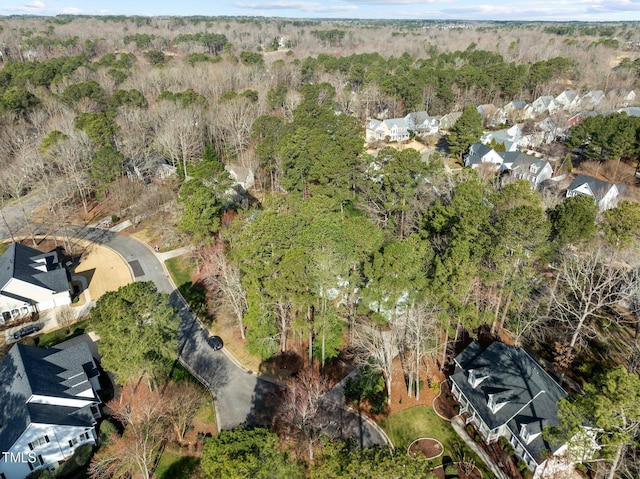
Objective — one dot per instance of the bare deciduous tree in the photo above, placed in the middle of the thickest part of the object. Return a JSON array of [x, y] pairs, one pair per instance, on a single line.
[[226, 278], [184, 398], [372, 342], [301, 408], [66, 316], [589, 283], [143, 412], [420, 330], [180, 133]]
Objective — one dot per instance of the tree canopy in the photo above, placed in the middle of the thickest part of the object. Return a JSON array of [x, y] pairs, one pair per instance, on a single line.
[[246, 453], [138, 330]]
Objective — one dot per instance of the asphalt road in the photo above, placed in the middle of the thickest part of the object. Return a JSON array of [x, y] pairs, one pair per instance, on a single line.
[[240, 396]]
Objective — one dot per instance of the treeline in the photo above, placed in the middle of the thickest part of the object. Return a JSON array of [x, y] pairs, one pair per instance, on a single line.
[[443, 81]]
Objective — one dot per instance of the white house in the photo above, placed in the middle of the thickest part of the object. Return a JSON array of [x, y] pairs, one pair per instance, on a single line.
[[538, 107], [534, 170], [421, 123], [480, 153], [502, 391], [48, 407], [591, 100], [393, 129], [605, 194], [31, 281], [568, 100], [511, 138]]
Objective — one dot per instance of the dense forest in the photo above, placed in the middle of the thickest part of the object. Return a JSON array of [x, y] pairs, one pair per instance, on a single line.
[[334, 252]]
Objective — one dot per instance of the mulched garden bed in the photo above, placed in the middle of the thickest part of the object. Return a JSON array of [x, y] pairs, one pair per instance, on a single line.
[[444, 404], [430, 448]]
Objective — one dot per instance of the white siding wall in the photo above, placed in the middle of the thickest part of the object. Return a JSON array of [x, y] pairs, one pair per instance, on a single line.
[[57, 449]]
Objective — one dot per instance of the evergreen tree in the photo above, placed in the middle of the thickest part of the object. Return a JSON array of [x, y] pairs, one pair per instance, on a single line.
[[465, 132]]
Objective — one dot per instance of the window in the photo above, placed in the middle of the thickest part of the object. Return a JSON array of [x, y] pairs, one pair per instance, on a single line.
[[35, 463], [39, 442], [527, 435], [495, 404], [475, 378]]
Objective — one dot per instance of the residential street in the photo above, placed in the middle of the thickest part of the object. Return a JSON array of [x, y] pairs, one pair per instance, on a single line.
[[241, 396]]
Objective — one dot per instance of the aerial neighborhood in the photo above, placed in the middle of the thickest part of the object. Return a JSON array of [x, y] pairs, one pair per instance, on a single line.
[[318, 248]]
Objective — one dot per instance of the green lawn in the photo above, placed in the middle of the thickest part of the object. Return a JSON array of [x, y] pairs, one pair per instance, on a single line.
[[421, 421], [55, 337], [180, 269], [172, 466], [207, 413]]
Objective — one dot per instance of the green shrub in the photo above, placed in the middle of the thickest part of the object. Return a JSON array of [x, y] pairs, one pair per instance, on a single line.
[[80, 459], [40, 474], [378, 403], [451, 470], [469, 428], [521, 465], [106, 431]]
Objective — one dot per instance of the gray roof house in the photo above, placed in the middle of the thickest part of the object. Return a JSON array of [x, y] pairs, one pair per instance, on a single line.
[[504, 392], [539, 106], [31, 281], [448, 120], [591, 100], [48, 407], [515, 110], [605, 194], [421, 123], [511, 137], [534, 170], [567, 100], [492, 116], [480, 153], [393, 129], [630, 111]]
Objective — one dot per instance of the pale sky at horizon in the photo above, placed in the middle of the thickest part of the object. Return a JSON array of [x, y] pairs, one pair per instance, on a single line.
[[501, 10]]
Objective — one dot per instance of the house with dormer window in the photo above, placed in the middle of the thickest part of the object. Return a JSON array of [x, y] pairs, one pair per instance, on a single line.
[[31, 281], [504, 392], [393, 129], [534, 170], [48, 407]]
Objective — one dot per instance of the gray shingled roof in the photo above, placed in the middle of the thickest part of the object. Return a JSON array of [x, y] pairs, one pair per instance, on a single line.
[[19, 262], [599, 188], [27, 371], [513, 377], [524, 162]]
